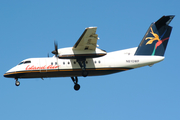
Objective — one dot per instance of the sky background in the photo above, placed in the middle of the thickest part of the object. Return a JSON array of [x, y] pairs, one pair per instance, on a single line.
[[28, 29]]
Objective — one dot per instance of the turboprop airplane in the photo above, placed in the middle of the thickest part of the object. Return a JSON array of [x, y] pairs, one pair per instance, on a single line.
[[86, 59]]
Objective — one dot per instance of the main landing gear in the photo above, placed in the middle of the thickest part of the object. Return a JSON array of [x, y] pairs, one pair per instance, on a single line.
[[76, 85], [17, 83], [82, 64], [74, 79]]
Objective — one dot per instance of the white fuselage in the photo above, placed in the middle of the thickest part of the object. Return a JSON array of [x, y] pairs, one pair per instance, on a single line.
[[113, 62]]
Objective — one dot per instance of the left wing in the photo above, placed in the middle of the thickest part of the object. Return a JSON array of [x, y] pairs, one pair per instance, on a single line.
[[88, 40]]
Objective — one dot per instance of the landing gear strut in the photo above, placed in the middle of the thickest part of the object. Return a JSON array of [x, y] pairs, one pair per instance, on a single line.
[[82, 64], [17, 83], [76, 85]]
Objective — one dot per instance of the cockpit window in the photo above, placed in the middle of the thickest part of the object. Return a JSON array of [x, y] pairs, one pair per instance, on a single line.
[[20, 63], [27, 62], [24, 62]]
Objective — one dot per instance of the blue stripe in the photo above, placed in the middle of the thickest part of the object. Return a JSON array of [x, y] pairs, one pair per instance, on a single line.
[[163, 34]]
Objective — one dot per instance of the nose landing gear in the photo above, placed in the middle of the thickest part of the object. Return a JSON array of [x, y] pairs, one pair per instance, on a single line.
[[17, 83], [76, 85]]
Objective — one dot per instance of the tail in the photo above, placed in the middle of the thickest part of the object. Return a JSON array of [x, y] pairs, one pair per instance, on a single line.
[[156, 38]]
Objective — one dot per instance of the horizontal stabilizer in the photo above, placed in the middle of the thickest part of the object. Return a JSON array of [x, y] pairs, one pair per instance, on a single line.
[[164, 20]]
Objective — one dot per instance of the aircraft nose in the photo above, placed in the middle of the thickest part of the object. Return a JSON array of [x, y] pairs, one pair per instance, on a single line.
[[10, 73], [6, 74]]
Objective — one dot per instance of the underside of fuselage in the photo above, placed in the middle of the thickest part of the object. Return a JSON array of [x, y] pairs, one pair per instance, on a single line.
[[63, 73]]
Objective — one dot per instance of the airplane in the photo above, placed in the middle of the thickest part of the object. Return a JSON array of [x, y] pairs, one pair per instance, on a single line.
[[86, 59]]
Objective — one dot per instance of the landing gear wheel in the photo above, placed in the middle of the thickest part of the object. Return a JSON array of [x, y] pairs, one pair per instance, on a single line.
[[17, 83], [84, 73], [76, 87]]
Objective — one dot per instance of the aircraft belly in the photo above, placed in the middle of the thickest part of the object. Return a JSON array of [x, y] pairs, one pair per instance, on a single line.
[[65, 73]]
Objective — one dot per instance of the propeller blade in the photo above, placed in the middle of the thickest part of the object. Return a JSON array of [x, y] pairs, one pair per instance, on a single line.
[[56, 49]]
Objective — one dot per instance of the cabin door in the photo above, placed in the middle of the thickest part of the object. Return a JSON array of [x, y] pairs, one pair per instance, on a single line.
[[42, 65]]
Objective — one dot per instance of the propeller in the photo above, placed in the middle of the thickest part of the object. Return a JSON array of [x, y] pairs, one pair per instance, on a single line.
[[56, 49]]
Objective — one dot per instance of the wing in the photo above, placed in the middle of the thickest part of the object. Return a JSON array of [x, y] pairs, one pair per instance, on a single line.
[[88, 40], [85, 47]]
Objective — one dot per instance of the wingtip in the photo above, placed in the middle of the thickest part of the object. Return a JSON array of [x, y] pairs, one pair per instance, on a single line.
[[90, 27]]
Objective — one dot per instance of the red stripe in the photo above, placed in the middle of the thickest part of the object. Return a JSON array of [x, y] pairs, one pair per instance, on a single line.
[[161, 41]]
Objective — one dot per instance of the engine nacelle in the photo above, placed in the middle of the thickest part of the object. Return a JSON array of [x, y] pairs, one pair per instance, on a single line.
[[70, 53]]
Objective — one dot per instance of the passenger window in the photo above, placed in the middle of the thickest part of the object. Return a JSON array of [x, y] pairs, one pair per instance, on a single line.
[[63, 63], [55, 63], [51, 63]]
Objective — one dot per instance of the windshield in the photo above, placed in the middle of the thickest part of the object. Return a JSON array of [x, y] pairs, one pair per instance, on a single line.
[[24, 62]]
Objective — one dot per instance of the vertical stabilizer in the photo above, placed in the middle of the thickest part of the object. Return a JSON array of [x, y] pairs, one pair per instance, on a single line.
[[156, 38]]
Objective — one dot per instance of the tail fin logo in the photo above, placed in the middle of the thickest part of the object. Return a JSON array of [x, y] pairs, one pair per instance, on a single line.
[[156, 37], [152, 39]]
